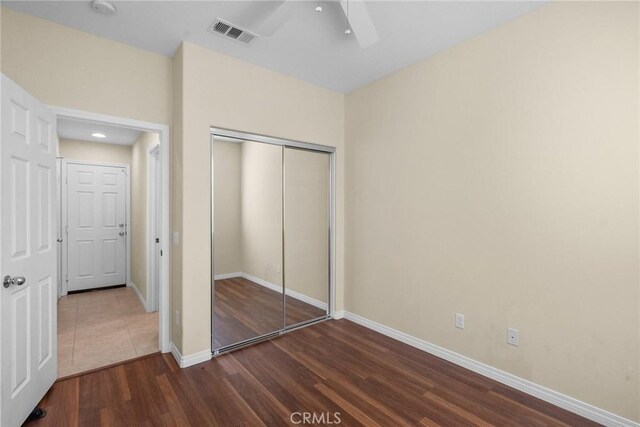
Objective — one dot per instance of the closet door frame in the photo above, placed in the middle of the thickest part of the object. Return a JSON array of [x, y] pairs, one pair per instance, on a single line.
[[284, 143]]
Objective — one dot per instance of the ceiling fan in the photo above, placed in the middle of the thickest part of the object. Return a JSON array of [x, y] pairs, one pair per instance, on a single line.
[[264, 18]]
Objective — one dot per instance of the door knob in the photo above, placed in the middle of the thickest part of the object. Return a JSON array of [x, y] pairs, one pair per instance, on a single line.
[[8, 281], [121, 233]]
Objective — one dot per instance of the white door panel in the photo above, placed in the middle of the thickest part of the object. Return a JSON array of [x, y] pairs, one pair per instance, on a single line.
[[28, 250], [96, 215]]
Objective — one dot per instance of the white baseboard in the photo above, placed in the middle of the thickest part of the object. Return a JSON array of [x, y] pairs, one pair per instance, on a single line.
[[262, 282], [306, 299], [276, 288], [227, 276], [140, 297], [338, 314], [190, 360], [558, 399]]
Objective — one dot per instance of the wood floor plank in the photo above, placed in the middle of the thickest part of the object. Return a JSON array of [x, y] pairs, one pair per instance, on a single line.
[[244, 310], [328, 368], [266, 407], [62, 404], [372, 406], [346, 405], [198, 412]]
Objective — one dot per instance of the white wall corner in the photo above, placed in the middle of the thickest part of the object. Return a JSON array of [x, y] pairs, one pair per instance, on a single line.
[[140, 297], [190, 360], [338, 314], [555, 398]]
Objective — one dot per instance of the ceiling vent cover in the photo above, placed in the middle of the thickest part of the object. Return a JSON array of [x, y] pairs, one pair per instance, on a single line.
[[231, 31]]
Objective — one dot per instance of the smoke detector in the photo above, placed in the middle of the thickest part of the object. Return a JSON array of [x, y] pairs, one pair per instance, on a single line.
[[103, 7]]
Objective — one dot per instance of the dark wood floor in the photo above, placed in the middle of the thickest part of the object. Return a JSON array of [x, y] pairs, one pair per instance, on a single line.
[[334, 366], [245, 310]]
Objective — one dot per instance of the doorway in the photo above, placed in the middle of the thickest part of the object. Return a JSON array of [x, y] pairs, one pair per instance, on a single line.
[[108, 311]]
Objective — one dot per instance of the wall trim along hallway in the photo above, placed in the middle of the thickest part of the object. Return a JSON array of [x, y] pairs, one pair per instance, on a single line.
[[561, 400]]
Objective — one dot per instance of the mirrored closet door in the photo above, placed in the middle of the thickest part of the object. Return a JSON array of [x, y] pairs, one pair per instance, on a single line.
[[306, 234], [271, 237], [247, 241]]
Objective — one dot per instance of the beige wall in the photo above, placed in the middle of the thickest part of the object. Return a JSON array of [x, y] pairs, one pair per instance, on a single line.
[[139, 217], [72, 149], [227, 207], [69, 68], [221, 91], [306, 255], [261, 213], [499, 179]]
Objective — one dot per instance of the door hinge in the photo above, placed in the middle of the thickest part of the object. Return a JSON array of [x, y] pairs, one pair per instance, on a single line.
[[157, 240], [160, 252]]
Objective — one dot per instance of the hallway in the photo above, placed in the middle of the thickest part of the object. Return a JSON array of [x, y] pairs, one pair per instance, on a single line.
[[103, 327]]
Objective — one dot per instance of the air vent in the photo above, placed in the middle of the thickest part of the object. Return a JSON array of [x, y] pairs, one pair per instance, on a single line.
[[246, 37], [234, 32], [231, 31], [221, 27]]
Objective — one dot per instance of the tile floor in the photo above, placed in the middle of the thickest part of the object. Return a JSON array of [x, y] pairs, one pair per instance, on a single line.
[[103, 327]]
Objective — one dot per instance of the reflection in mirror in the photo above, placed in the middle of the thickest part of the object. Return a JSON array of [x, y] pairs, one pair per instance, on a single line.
[[306, 234], [247, 250]]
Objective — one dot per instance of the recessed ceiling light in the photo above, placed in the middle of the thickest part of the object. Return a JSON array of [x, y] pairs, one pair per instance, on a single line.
[[347, 31], [98, 135], [318, 8]]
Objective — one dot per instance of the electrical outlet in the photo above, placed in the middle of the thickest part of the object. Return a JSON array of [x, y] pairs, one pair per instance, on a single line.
[[177, 317], [459, 321], [512, 336], [278, 268], [176, 238]]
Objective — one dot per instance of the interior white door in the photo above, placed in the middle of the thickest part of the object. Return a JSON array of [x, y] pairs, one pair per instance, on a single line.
[[97, 229], [27, 253]]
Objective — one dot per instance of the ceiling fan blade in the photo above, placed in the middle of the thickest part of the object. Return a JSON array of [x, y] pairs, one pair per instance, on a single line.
[[360, 22]]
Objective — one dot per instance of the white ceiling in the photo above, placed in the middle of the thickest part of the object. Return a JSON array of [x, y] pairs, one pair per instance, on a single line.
[[82, 130], [310, 46]]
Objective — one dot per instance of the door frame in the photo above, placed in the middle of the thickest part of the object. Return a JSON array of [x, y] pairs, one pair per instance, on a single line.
[[65, 223], [165, 151], [153, 197]]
